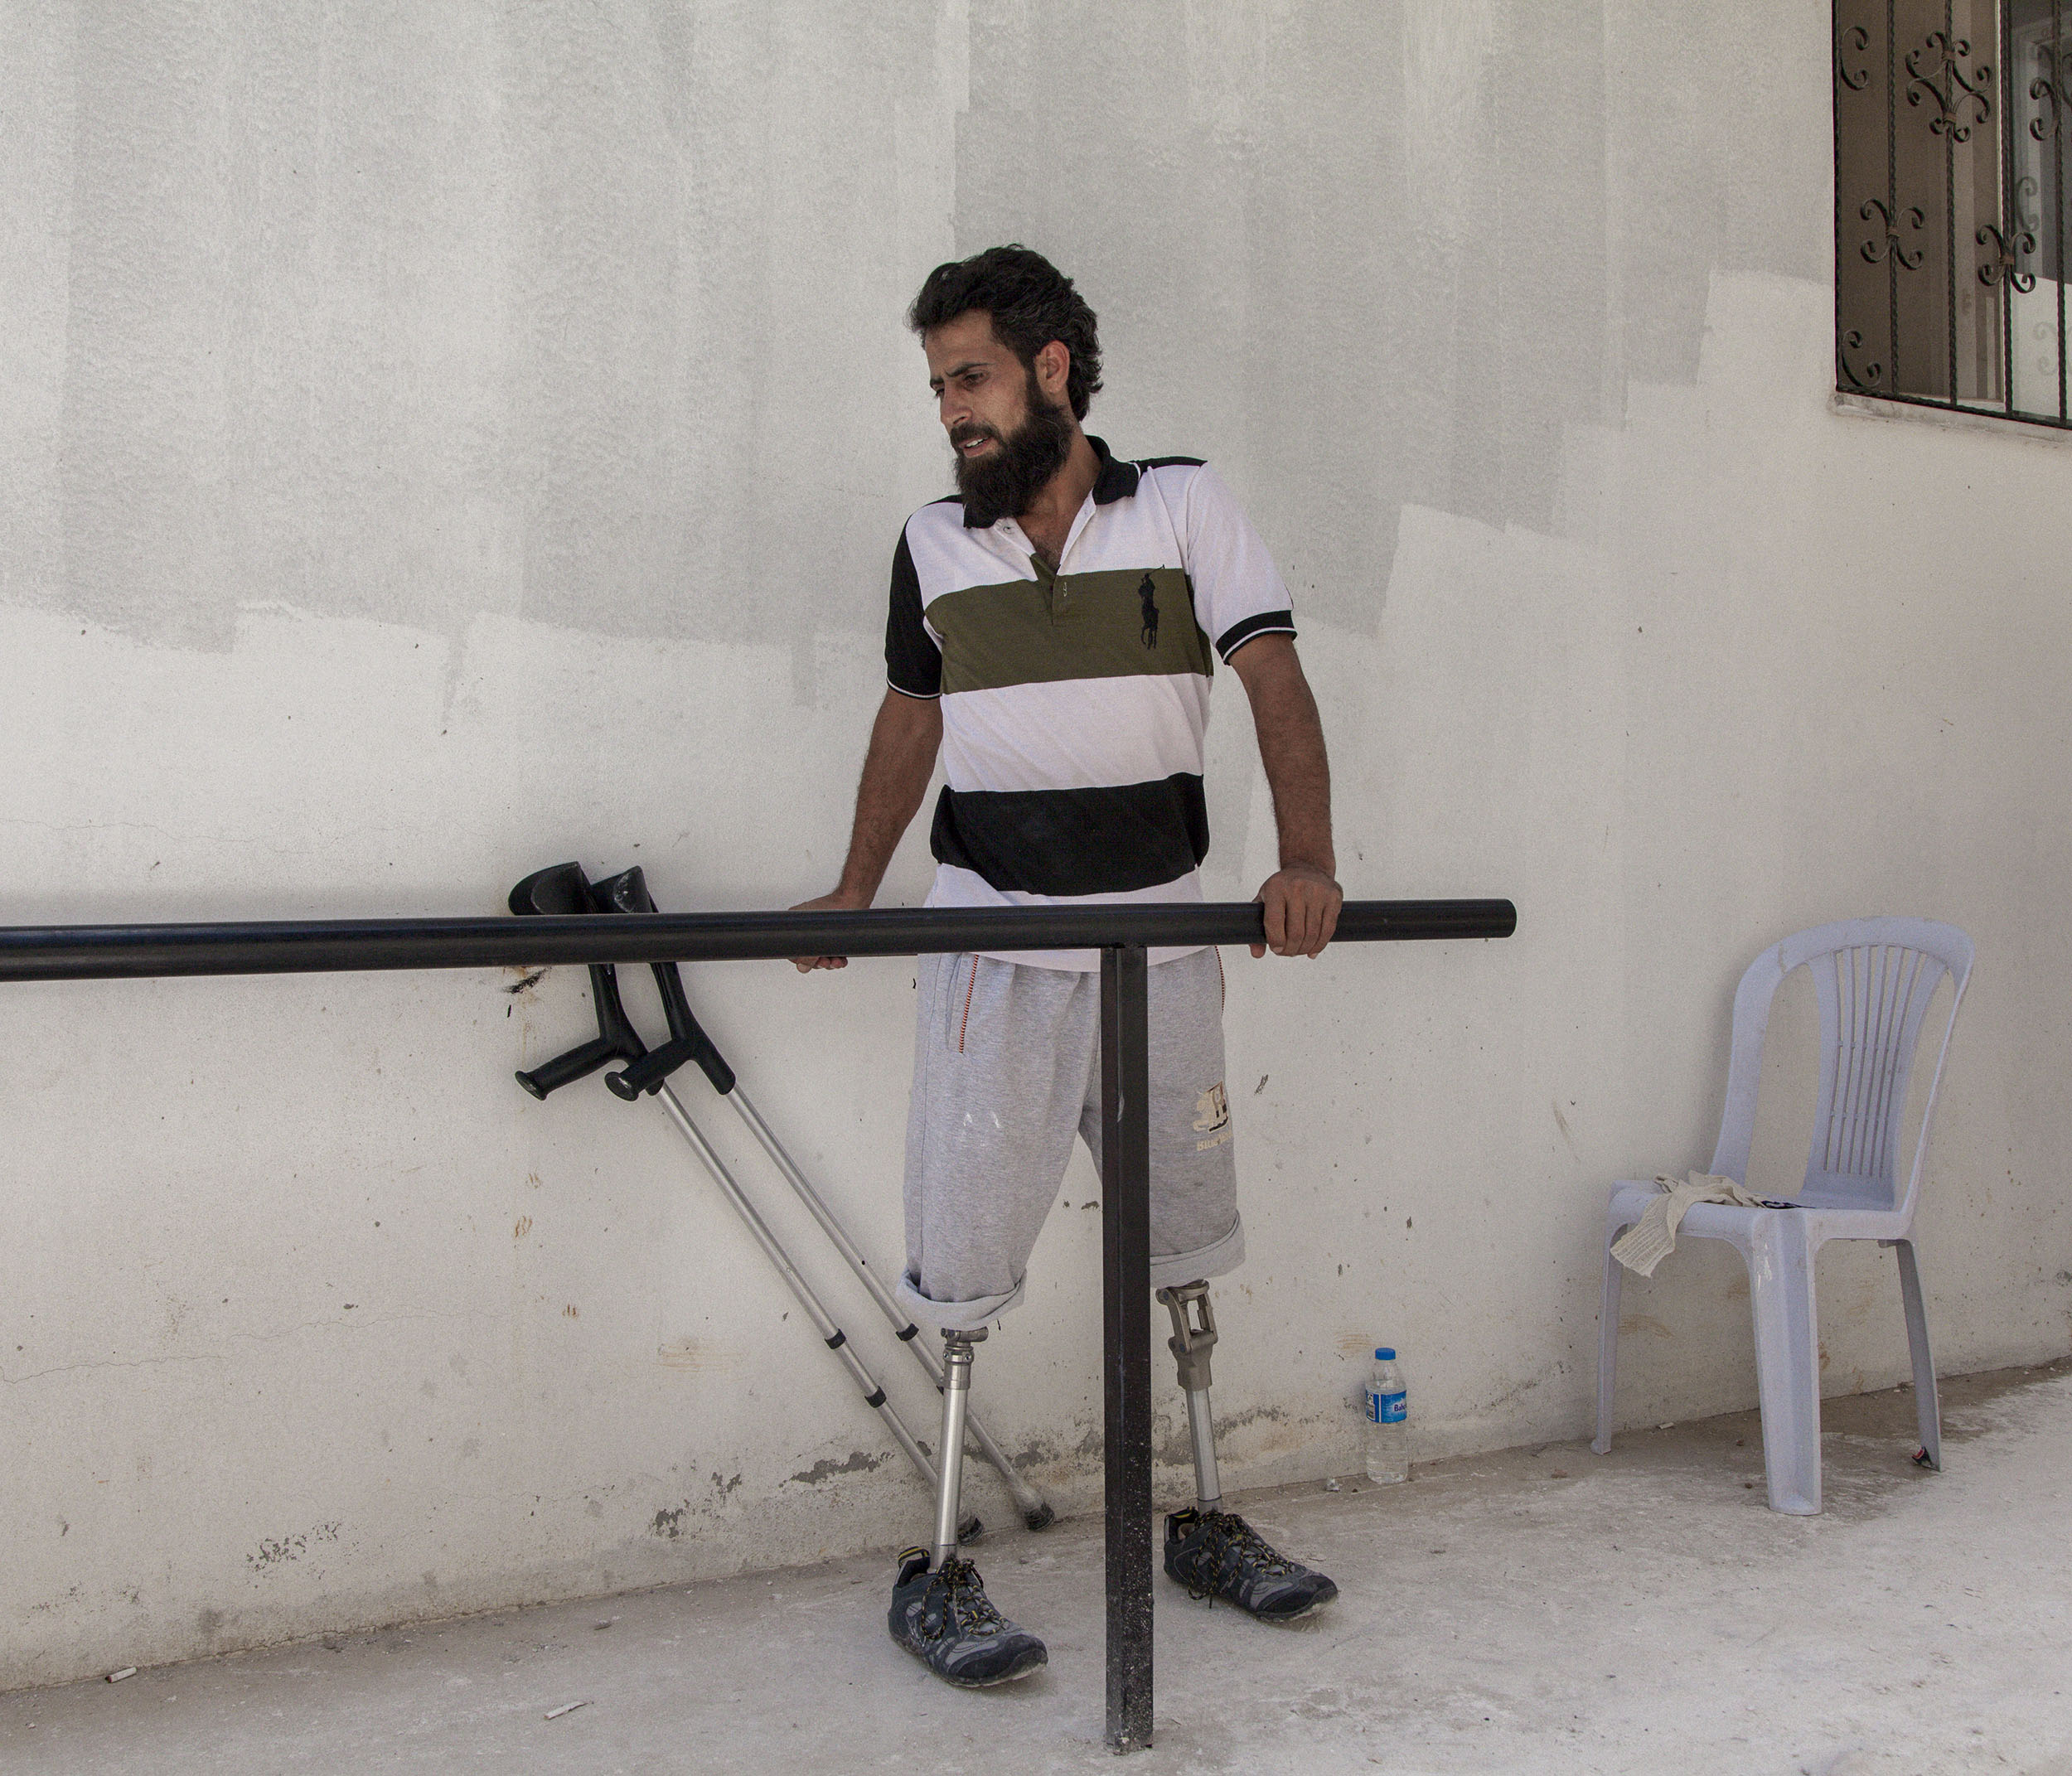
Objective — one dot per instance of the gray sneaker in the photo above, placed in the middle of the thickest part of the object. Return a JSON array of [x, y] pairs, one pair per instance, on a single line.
[[1217, 1554], [945, 1620]]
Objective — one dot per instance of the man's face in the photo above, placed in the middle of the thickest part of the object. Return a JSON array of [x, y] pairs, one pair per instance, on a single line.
[[1008, 437], [981, 388]]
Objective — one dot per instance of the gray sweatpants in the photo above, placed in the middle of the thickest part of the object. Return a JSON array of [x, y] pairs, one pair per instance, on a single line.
[[1006, 1069]]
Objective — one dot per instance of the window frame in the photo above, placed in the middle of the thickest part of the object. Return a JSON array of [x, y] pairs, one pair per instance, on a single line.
[[1999, 113]]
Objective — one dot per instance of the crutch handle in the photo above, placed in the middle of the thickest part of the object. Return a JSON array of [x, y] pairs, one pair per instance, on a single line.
[[616, 1040], [565, 1069], [647, 1073]]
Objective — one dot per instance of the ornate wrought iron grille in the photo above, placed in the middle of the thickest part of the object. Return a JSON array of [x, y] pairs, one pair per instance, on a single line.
[[1951, 120]]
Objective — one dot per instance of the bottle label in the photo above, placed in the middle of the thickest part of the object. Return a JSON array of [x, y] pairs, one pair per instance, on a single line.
[[1386, 1409]]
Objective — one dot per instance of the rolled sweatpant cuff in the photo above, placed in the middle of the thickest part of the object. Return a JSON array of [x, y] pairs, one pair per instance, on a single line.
[[1218, 1258], [954, 1316]]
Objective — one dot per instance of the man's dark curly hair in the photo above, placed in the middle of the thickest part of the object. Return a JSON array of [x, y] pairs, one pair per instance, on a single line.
[[1031, 302]]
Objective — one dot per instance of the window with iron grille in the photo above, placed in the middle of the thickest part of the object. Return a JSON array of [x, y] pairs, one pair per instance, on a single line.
[[1951, 120]]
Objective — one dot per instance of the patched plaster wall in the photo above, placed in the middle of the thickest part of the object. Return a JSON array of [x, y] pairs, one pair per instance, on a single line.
[[438, 442]]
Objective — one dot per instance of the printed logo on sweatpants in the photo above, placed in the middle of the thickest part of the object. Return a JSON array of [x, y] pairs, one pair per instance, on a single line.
[[1212, 1118]]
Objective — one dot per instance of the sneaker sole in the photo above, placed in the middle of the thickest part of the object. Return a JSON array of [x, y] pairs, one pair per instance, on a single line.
[[1027, 1666], [1031, 1661], [1310, 1608]]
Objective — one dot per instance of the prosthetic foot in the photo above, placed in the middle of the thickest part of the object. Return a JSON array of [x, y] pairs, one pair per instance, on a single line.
[[1214, 1552], [940, 1611]]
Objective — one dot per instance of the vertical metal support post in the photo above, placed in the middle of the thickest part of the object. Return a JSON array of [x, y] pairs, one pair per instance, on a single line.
[[1126, 1254]]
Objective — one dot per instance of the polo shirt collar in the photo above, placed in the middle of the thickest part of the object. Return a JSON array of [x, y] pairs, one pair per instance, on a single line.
[[1114, 480]]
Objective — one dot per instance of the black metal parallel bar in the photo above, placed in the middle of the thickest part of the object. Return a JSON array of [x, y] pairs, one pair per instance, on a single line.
[[1123, 934], [1126, 1260], [101, 952]]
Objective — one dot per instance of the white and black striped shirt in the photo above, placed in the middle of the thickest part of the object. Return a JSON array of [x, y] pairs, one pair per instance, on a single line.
[[1074, 703]]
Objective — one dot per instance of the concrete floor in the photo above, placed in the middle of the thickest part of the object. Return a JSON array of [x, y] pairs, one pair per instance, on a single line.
[[1538, 1610]]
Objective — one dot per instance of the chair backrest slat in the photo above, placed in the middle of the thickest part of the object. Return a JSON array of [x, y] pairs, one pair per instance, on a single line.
[[1873, 997], [1874, 979]]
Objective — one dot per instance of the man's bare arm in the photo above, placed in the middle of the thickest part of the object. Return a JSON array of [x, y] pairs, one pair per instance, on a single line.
[[903, 742], [1301, 897]]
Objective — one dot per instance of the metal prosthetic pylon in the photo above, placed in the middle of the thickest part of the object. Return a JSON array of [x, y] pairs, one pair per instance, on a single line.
[[1194, 1337], [957, 1395]]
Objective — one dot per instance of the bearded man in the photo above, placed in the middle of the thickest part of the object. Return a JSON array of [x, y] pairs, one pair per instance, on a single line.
[[1053, 628]]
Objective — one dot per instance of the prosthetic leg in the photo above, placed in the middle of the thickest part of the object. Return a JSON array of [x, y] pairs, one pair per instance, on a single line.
[[1214, 1552], [1194, 1337], [957, 1395], [940, 1611]]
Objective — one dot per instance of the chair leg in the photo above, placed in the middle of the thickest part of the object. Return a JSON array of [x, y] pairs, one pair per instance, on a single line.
[[1780, 1273], [1607, 1351], [1928, 1408]]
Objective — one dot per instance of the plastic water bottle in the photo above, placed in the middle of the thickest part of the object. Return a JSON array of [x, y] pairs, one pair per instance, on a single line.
[[1388, 1420]]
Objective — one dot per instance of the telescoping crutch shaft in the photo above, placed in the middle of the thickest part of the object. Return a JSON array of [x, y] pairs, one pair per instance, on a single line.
[[1034, 1508], [563, 889], [628, 893], [831, 1335]]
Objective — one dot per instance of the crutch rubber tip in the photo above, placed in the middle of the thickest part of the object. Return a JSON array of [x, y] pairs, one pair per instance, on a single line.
[[1042, 1517], [970, 1529]]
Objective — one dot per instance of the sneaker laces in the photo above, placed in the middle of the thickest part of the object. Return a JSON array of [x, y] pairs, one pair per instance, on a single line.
[[1231, 1532], [969, 1604]]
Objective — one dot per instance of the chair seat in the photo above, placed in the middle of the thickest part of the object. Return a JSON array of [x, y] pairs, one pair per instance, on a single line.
[[1734, 1223]]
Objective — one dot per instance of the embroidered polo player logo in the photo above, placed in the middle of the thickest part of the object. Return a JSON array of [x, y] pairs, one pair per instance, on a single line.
[[1149, 592]]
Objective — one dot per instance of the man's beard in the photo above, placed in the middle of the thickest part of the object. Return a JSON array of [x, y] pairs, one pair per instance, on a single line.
[[1004, 483]]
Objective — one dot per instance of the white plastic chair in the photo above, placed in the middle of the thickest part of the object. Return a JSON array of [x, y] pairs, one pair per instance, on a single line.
[[1874, 979]]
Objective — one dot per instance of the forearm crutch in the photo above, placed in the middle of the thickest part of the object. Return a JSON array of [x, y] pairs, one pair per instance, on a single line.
[[628, 893], [563, 889]]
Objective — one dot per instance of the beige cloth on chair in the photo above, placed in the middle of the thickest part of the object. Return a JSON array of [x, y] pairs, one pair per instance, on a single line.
[[1653, 1237]]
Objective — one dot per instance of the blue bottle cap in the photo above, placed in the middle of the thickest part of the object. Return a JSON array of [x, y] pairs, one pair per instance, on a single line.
[[1384, 1354]]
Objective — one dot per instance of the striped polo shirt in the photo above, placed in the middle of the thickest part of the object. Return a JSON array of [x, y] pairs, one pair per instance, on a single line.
[[1074, 704]]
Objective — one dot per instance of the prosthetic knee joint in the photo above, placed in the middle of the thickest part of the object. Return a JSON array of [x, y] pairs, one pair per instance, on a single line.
[[1194, 1337], [956, 1395]]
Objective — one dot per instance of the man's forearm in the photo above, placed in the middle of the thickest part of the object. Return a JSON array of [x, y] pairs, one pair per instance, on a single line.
[[1302, 897], [1291, 749], [903, 742]]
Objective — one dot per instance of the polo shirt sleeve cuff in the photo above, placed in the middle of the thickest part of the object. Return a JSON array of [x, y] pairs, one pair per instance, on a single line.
[[1267, 622], [918, 696]]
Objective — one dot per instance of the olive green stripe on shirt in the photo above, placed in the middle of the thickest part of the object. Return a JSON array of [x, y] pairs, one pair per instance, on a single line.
[[1078, 625]]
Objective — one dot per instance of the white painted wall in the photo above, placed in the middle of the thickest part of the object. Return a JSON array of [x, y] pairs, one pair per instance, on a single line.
[[440, 441]]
